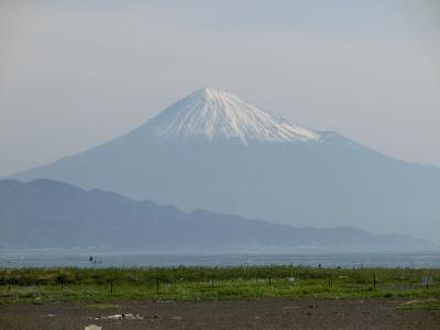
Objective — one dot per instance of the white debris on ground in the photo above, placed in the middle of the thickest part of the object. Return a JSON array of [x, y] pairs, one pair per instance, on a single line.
[[93, 327], [122, 316]]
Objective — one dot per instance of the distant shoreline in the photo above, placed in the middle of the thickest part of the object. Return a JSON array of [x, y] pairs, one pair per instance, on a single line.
[[105, 259]]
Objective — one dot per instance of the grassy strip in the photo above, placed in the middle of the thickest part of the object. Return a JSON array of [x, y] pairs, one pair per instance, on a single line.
[[111, 285]]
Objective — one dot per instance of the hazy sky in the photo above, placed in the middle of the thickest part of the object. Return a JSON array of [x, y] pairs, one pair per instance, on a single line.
[[76, 73]]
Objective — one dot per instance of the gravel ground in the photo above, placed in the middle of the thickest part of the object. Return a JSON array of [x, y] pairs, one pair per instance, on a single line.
[[250, 314]]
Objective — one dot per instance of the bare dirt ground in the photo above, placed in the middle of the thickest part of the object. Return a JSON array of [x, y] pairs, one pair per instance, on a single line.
[[258, 314]]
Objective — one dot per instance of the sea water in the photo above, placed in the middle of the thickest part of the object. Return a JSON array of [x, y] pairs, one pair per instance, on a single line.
[[343, 260]]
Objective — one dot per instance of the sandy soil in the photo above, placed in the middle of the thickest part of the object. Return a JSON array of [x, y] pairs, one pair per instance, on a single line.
[[260, 314]]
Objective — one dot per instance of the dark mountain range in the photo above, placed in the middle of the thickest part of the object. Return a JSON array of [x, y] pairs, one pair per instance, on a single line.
[[49, 214]]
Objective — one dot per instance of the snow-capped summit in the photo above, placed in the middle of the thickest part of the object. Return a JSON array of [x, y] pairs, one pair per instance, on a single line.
[[215, 113]]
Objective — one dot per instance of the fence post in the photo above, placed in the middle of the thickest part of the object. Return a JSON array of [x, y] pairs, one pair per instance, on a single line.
[[374, 281], [157, 285], [111, 287]]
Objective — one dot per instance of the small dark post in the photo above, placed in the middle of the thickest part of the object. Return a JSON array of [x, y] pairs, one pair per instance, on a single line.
[[270, 281], [426, 281], [111, 287], [374, 281], [157, 285]]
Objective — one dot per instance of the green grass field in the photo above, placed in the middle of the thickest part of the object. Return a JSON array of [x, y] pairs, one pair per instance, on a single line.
[[110, 285]]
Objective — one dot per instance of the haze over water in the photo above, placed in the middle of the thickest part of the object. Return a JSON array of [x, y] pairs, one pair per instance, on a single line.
[[343, 260]]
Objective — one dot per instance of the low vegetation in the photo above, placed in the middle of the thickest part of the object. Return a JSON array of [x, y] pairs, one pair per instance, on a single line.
[[110, 285]]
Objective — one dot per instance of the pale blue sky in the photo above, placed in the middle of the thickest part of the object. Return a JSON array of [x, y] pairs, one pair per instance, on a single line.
[[74, 74]]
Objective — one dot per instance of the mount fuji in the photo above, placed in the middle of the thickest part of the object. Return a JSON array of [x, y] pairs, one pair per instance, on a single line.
[[212, 150]]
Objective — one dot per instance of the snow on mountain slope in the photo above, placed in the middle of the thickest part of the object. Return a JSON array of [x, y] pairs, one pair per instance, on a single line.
[[213, 113]]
